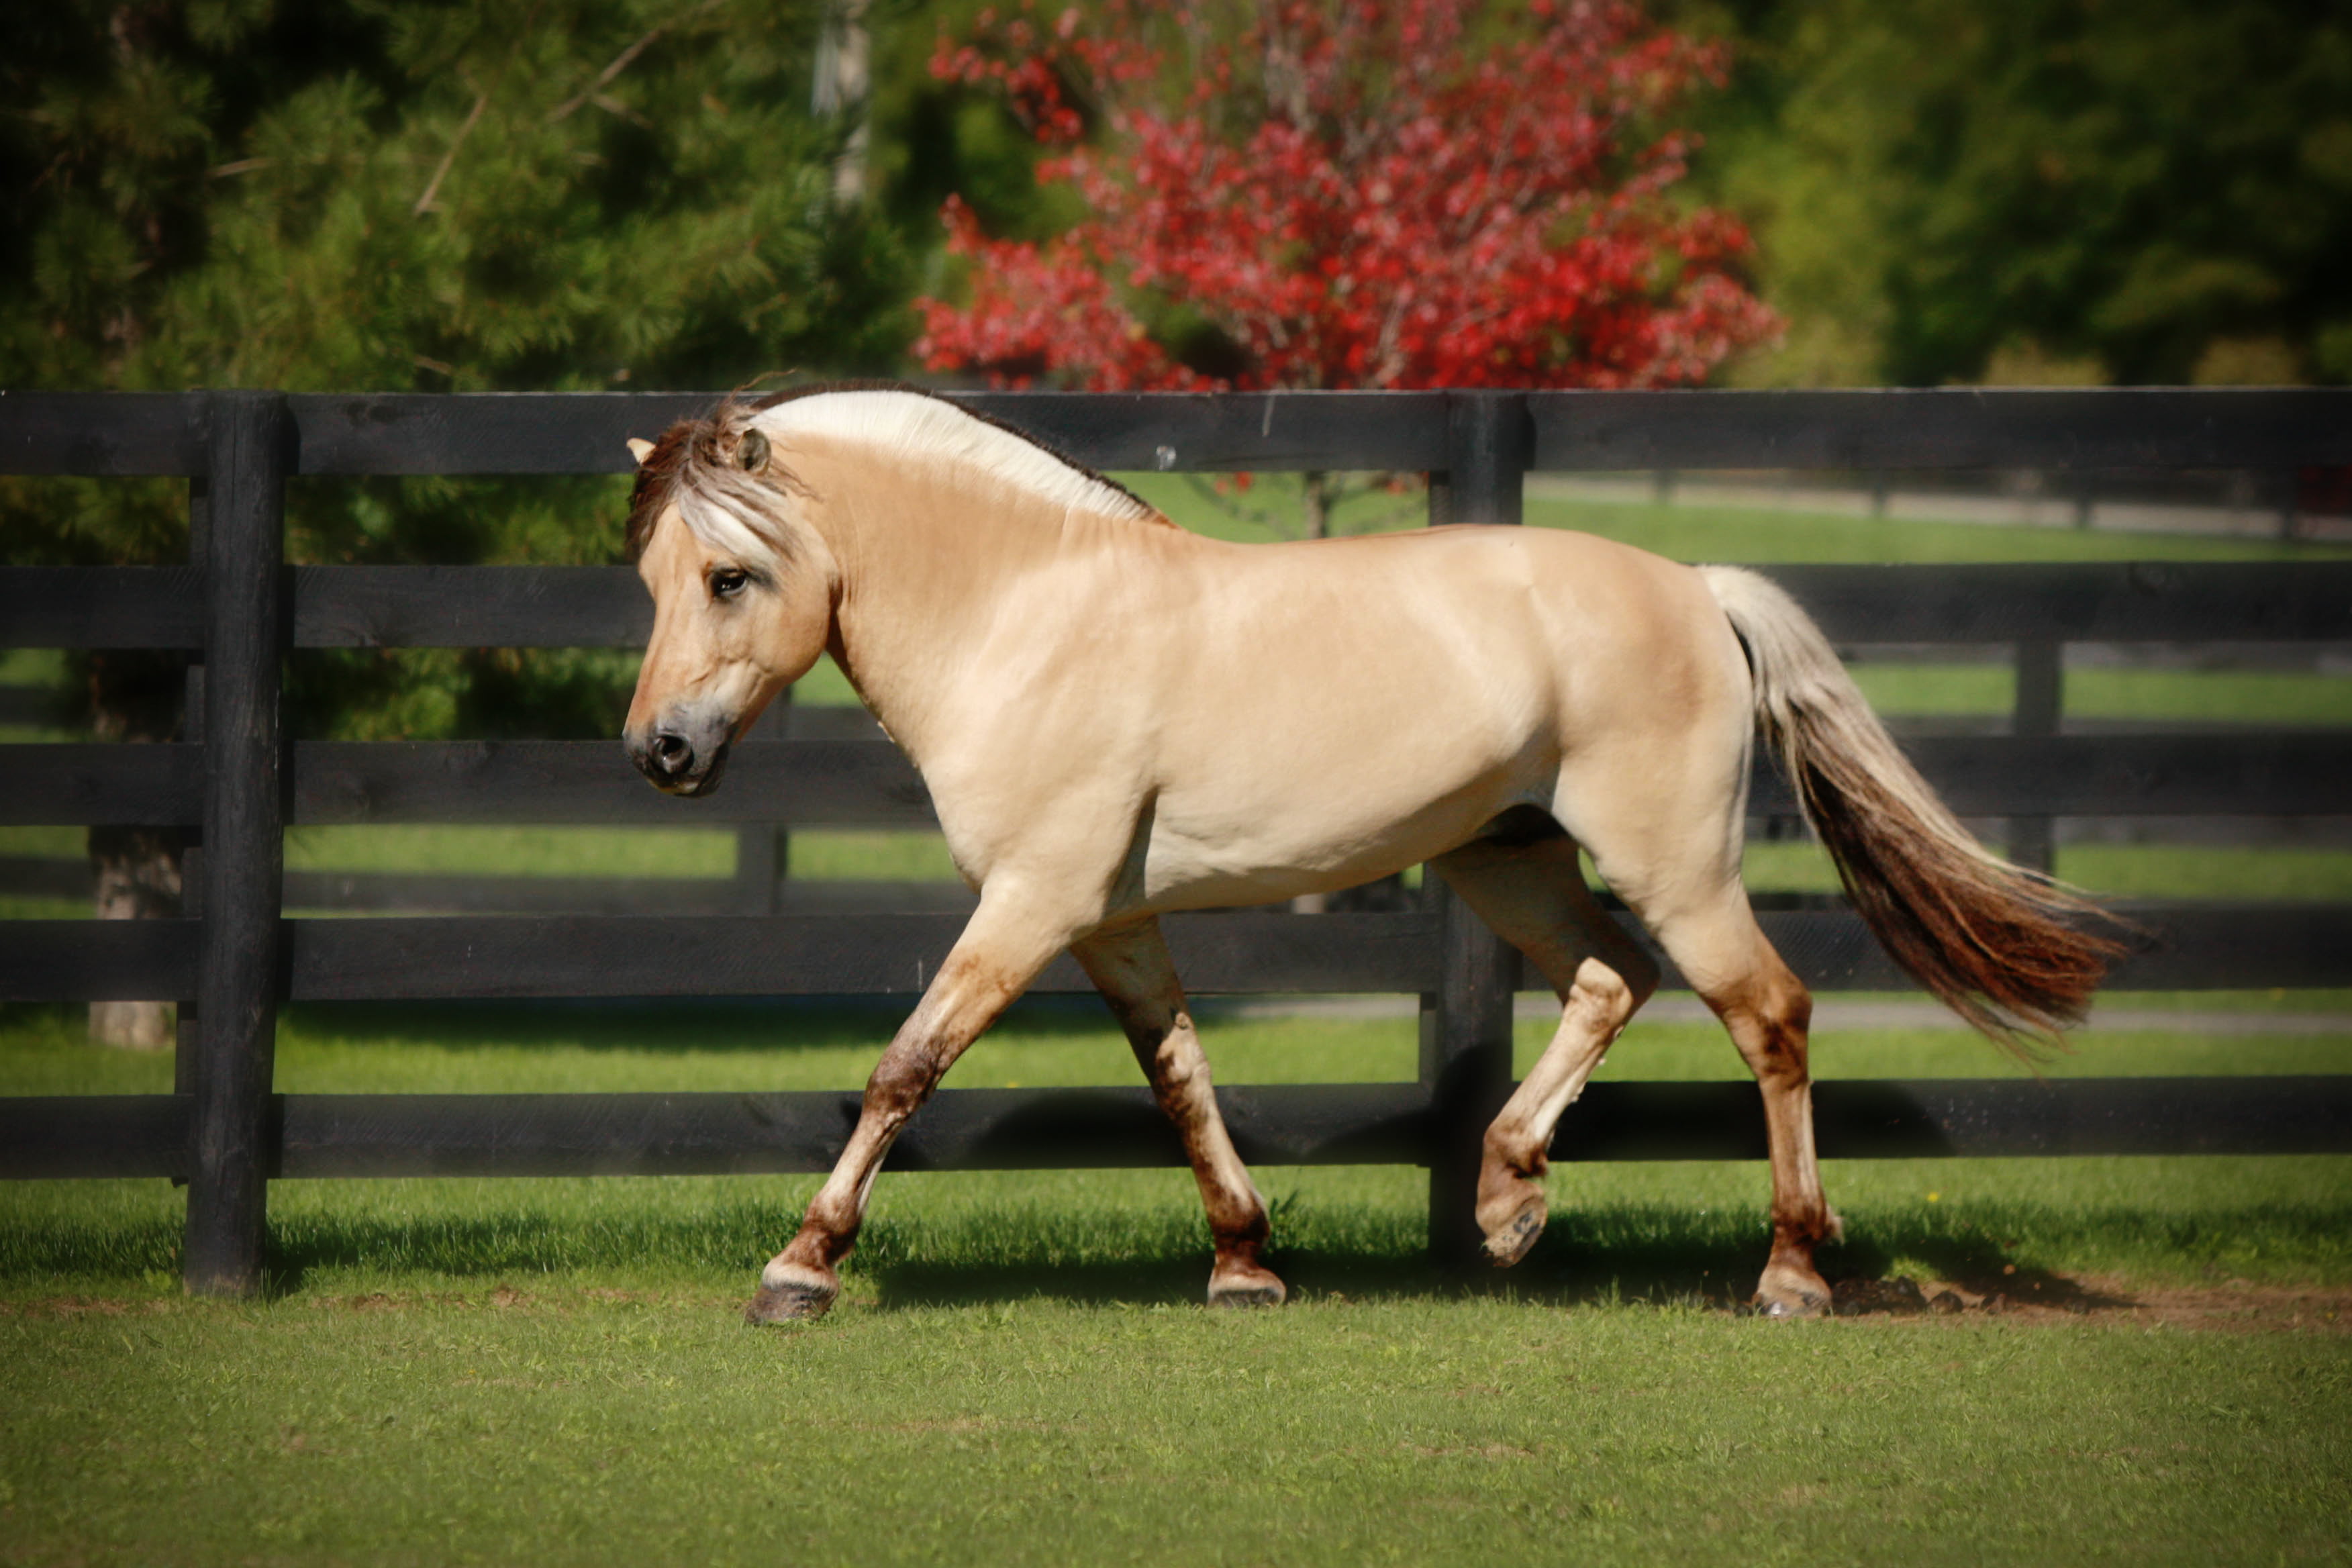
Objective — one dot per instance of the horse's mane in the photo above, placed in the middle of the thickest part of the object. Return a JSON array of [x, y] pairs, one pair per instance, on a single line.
[[698, 462]]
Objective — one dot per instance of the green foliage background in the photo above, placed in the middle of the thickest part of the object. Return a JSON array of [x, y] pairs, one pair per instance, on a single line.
[[2041, 191], [562, 195]]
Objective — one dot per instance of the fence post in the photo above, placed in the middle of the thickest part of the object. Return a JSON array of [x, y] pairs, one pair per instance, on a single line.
[[1465, 1023], [231, 1142], [2041, 692], [192, 844], [763, 850]]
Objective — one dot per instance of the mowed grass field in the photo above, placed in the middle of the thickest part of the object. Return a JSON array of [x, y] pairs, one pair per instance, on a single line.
[[554, 1370]]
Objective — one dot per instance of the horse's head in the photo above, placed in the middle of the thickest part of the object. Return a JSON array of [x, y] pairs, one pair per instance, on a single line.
[[743, 594]]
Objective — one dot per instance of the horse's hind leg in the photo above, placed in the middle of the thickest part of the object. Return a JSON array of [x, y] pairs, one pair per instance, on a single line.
[[1131, 967], [1530, 889], [1724, 955]]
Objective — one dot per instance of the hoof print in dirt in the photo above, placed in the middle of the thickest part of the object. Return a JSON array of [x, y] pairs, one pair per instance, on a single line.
[[1853, 1297]]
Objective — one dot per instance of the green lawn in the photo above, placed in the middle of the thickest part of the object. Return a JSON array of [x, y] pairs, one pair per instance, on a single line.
[[469, 1371], [476, 1371], [509, 1426], [1741, 534], [1703, 532]]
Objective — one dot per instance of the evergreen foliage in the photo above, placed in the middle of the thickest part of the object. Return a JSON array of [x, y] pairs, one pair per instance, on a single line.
[[361, 194]]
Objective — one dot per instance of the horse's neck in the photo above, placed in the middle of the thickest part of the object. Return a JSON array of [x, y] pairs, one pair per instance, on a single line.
[[927, 555]]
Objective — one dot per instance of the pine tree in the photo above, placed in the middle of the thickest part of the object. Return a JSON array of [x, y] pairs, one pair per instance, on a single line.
[[361, 194]]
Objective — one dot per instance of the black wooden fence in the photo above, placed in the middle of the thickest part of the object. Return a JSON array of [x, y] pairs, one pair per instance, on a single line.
[[233, 958]]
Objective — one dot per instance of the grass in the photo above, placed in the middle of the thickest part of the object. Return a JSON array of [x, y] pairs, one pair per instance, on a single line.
[[1763, 536], [470, 1371], [2152, 696], [473, 1371], [756, 1044], [494, 1426], [1701, 533]]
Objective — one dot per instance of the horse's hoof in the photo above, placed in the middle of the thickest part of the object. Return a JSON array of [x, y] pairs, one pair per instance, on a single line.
[[1510, 1241], [1257, 1288], [1786, 1292], [790, 1295]]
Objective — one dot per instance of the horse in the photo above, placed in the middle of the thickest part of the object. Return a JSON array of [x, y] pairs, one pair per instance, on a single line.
[[1118, 718]]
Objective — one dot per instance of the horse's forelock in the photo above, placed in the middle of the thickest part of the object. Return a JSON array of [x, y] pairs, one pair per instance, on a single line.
[[657, 481], [694, 466]]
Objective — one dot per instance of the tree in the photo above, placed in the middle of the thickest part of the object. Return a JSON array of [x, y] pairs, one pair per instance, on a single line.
[[1348, 194], [369, 195], [2044, 190]]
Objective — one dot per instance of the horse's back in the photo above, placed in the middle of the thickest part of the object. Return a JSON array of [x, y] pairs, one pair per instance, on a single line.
[[1485, 632]]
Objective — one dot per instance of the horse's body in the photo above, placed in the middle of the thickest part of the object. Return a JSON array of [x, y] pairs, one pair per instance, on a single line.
[[1117, 718]]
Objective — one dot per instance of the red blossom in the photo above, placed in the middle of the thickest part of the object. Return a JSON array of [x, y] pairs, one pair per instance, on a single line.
[[1355, 192]]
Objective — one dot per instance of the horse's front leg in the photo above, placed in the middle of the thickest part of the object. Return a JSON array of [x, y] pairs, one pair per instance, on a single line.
[[1131, 967], [1008, 940]]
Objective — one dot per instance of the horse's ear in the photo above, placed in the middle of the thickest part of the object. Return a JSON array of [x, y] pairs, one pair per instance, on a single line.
[[640, 448]]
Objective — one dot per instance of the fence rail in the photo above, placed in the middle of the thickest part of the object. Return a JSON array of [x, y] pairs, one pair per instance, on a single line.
[[866, 783], [2195, 947], [125, 434], [349, 1135], [236, 957], [605, 607]]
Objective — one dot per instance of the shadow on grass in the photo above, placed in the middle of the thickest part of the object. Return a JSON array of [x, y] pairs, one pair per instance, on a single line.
[[1602, 1257], [1152, 1254]]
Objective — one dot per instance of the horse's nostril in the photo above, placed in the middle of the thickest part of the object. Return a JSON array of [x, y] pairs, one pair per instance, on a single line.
[[672, 755]]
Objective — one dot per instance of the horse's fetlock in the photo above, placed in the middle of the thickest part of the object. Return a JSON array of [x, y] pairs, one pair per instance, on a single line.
[[1802, 1229], [1240, 1230], [1513, 1152]]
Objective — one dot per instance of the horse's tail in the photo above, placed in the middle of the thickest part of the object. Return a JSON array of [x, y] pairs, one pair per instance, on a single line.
[[2009, 950]]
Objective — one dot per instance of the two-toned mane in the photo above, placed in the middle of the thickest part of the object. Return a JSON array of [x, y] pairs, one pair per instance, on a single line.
[[698, 464], [1118, 719]]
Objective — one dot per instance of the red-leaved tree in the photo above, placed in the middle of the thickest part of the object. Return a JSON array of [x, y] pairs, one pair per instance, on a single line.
[[1348, 194]]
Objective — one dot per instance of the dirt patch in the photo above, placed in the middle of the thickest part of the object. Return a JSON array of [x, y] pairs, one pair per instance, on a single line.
[[2232, 1305], [2235, 1306], [1480, 1451]]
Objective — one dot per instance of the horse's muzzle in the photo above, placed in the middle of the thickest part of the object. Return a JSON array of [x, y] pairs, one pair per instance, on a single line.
[[675, 766]]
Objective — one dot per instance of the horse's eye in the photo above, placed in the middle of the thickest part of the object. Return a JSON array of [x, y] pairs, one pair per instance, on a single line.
[[753, 452], [728, 582]]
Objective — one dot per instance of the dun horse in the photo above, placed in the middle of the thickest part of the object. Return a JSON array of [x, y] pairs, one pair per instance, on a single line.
[[1117, 718]]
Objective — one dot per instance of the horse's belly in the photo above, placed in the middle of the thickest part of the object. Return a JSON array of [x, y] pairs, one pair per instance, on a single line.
[[1248, 846]]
